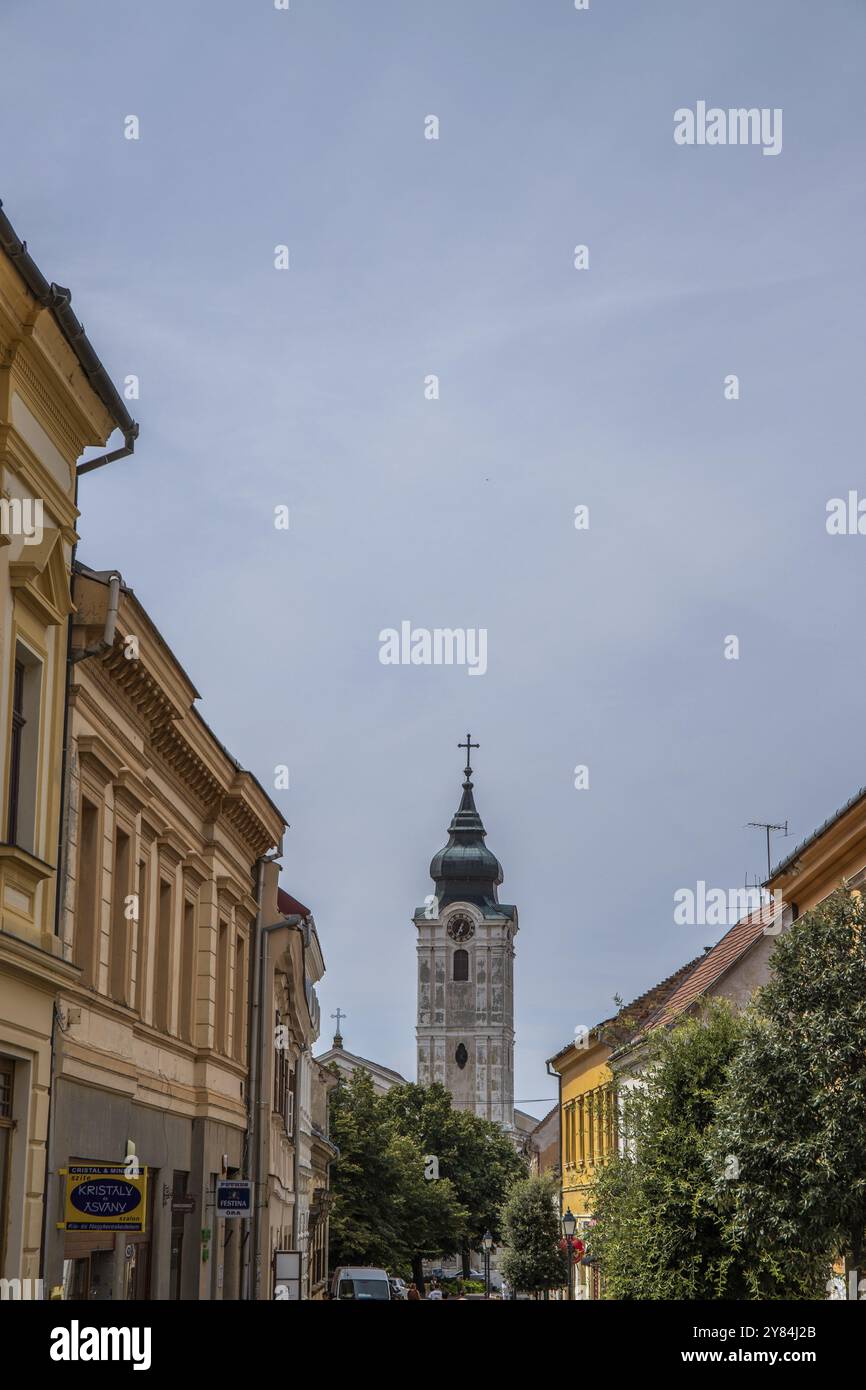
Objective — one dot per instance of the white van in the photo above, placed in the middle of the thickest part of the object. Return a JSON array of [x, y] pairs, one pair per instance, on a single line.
[[360, 1284]]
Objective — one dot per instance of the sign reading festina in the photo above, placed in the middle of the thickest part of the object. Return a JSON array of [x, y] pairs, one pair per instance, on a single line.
[[234, 1197], [104, 1196]]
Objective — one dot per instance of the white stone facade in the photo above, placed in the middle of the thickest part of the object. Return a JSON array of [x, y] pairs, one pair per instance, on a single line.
[[465, 1026]]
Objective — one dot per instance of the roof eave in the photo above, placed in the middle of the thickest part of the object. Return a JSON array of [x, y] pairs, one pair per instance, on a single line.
[[59, 301]]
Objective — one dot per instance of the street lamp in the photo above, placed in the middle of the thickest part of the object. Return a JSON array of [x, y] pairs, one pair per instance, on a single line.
[[487, 1246], [569, 1225]]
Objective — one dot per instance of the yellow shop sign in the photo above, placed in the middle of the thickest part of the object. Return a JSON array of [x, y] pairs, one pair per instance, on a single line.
[[108, 1196]]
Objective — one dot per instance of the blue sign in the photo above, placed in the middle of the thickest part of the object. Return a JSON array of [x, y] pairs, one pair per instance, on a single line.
[[115, 1198], [234, 1198], [112, 1196]]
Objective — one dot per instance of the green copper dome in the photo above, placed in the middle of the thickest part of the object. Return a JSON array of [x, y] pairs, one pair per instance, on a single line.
[[466, 870]]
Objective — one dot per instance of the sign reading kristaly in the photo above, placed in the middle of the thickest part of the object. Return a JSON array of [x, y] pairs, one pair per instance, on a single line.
[[105, 1196]]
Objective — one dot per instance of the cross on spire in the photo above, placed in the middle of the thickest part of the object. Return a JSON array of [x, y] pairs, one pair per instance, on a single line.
[[468, 745], [338, 1039]]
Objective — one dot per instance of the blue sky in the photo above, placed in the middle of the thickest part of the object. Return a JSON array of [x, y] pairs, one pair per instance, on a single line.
[[557, 387]]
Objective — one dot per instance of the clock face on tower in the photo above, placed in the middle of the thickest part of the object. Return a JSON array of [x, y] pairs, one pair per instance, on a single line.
[[461, 928]]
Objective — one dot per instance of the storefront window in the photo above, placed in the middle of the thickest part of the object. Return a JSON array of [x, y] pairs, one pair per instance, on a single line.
[[89, 1278], [177, 1228]]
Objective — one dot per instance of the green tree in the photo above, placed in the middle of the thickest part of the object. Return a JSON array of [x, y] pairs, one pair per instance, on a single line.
[[794, 1115], [659, 1233], [364, 1222], [532, 1261], [665, 1209], [431, 1219], [472, 1153], [385, 1212]]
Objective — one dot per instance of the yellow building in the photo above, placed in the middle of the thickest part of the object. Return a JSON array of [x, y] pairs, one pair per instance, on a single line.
[[55, 400], [741, 961], [833, 854], [587, 1133], [588, 1114]]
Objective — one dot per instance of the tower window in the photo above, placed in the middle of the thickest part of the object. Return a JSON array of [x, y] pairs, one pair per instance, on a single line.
[[461, 965], [461, 1056]]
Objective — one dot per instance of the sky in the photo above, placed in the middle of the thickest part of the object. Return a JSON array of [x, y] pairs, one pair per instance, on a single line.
[[559, 387]]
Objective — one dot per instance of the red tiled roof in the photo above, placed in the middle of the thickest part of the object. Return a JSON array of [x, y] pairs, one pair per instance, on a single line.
[[712, 966], [290, 906]]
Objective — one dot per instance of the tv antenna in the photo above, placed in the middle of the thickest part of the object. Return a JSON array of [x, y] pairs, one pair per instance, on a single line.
[[768, 826]]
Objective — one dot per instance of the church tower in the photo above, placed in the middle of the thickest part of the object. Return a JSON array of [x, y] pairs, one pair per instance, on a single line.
[[465, 1028]]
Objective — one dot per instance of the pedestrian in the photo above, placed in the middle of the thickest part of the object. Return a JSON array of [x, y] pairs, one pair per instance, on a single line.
[[435, 1291], [413, 1294]]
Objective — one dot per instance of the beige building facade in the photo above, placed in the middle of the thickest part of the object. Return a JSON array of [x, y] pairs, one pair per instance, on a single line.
[[164, 836], [293, 1152], [55, 400]]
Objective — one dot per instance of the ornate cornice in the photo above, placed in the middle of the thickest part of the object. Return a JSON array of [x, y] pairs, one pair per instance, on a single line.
[[139, 686], [187, 765], [160, 719], [237, 811]]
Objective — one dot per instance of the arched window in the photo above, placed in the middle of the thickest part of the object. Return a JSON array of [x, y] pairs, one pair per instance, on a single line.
[[461, 965]]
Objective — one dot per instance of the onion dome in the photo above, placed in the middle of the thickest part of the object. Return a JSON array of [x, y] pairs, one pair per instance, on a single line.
[[466, 870]]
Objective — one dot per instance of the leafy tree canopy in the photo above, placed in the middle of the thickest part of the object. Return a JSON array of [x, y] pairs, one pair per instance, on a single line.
[[385, 1210], [532, 1261], [474, 1154], [663, 1207], [794, 1114]]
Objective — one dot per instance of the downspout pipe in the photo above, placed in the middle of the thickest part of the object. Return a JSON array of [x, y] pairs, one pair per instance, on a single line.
[[252, 1085], [110, 629], [558, 1075], [49, 1188], [253, 1053], [59, 301], [112, 457], [296, 1157], [264, 933]]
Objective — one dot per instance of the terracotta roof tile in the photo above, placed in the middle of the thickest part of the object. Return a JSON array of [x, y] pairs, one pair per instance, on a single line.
[[712, 966]]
